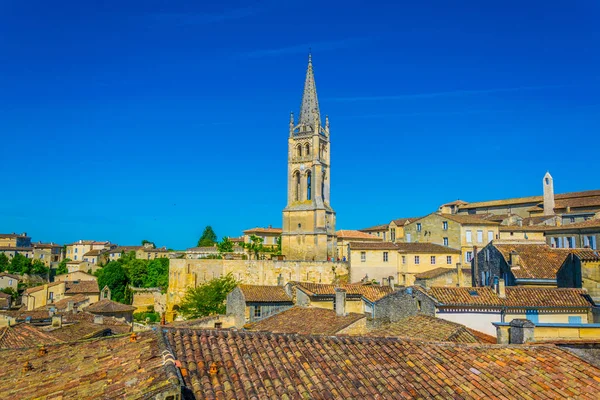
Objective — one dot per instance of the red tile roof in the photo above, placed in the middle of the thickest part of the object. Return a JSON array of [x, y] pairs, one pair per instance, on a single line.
[[424, 327], [110, 368], [370, 292], [89, 287], [23, 335], [306, 320], [265, 294], [536, 261], [350, 234], [275, 366], [515, 297], [109, 306]]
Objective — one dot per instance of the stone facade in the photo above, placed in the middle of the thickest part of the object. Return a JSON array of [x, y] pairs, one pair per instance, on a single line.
[[403, 303], [146, 299], [190, 273], [308, 219]]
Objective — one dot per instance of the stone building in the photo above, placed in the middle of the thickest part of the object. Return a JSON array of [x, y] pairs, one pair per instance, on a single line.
[[308, 219], [48, 253], [460, 232], [15, 240], [75, 251], [252, 303], [345, 237]]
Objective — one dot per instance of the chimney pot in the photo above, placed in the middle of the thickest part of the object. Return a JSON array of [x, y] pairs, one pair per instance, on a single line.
[[133, 337], [521, 331], [27, 366], [42, 351], [501, 289], [213, 368]]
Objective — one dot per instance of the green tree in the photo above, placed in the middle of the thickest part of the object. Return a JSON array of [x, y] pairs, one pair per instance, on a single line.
[[4, 262], [208, 298], [20, 264], [158, 273], [137, 271], [225, 246], [113, 274], [255, 246], [62, 267], [208, 238], [38, 268], [10, 291]]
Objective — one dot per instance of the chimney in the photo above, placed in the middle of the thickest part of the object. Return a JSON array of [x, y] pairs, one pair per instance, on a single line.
[[340, 302], [459, 275], [501, 289], [57, 321], [27, 367], [42, 351], [98, 319], [279, 280], [133, 337], [521, 331], [514, 259], [70, 306]]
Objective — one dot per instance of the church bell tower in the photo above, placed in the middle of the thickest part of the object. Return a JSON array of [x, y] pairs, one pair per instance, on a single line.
[[308, 219]]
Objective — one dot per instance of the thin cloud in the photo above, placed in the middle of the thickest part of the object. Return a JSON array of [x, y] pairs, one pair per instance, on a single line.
[[453, 93], [303, 48], [183, 19]]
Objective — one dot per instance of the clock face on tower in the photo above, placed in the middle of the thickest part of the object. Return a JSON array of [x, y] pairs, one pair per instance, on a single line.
[[302, 168]]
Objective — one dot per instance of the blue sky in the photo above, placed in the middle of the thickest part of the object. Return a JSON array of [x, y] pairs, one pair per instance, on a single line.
[[132, 120]]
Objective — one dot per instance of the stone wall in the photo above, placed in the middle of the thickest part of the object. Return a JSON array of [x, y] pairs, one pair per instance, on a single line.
[[401, 304], [145, 299], [191, 273]]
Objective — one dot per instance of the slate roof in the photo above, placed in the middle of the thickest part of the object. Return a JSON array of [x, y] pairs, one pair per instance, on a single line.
[[515, 297], [110, 368], [369, 292], [109, 306], [306, 320], [351, 234], [275, 366], [264, 294], [23, 335], [425, 327], [73, 287], [536, 261], [437, 272]]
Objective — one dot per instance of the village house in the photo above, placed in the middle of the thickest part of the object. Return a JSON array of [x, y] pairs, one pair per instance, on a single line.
[[458, 276], [252, 303], [75, 276], [43, 295], [5, 301], [581, 269], [575, 235], [19, 240], [460, 232], [345, 237], [118, 252], [401, 261], [151, 253], [108, 308], [76, 251], [269, 235], [478, 308], [9, 281], [48, 253]]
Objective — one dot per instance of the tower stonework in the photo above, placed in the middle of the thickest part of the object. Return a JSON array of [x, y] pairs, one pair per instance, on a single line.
[[308, 219], [548, 183]]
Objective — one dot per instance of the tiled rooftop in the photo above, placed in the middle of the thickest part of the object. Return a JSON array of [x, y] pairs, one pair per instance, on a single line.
[[537, 261], [23, 335], [306, 320], [533, 199], [265, 294], [515, 297], [468, 219], [73, 287], [350, 234], [263, 230], [370, 292], [111, 368], [277, 366], [424, 327], [425, 248], [109, 306], [373, 246], [437, 272]]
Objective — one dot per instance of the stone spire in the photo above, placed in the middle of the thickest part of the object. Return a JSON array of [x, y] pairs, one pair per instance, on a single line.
[[309, 109]]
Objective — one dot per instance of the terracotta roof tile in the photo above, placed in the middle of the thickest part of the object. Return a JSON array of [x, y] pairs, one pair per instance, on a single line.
[[437, 272], [424, 327], [468, 219], [376, 228], [110, 368], [109, 306], [275, 366], [73, 287], [536, 261], [77, 300], [350, 234], [265, 294], [590, 223], [306, 320], [515, 297], [370, 292], [23, 335]]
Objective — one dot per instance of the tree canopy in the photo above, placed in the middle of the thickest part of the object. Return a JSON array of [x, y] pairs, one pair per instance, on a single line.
[[208, 298], [4, 262], [225, 246], [208, 238], [62, 267], [114, 276]]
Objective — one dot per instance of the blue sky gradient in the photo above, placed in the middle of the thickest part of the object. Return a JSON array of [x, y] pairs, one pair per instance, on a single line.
[[137, 120]]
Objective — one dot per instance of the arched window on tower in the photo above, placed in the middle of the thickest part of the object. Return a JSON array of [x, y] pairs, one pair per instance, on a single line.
[[299, 150], [307, 149], [308, 186], [296, 186]]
